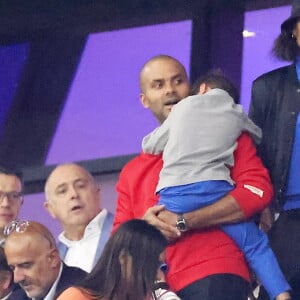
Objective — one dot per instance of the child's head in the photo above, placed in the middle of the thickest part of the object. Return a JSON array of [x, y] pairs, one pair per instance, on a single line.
[[212, 80]]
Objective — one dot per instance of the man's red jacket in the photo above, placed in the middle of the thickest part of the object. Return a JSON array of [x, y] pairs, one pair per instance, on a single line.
[[196, 254]]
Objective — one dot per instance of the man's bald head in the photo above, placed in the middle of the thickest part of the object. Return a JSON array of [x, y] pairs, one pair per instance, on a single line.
[[61, 170], [72, 197], [163, 83], [157, 58]]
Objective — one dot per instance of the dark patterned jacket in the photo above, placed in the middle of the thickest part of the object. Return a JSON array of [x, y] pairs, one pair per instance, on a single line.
[[70, 276], [274, 107]]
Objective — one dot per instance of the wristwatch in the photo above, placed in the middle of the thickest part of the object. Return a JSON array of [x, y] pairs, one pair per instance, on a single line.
[[181, 223]]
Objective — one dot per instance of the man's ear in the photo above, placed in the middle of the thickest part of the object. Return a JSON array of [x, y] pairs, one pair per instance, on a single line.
[[98, 187], [202, 88], [144, 100], [48, 207], [54, 258]]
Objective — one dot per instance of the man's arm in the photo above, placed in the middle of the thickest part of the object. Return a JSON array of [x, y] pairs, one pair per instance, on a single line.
[[136, 193], [252, 193], [259, 101]]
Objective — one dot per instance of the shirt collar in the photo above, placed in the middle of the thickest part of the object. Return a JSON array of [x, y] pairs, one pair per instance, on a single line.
[[6, 297], [52, 291], [95, 224]]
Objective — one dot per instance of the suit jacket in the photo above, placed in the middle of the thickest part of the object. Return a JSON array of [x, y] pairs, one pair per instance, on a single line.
[[17, 293], [70, 276], [275, 105]]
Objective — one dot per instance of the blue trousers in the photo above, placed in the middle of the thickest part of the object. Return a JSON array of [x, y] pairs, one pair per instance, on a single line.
[[250, 239]]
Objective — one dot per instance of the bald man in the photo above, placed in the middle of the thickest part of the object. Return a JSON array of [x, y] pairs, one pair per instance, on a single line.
[[73, 198], [203, 264], [32, 254]]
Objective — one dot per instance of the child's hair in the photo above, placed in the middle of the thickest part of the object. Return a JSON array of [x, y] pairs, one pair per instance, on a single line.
[[138, 245], [216, 79]]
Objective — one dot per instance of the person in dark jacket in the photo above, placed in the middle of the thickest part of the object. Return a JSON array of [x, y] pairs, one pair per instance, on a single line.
[[33, 256], [275, 107]]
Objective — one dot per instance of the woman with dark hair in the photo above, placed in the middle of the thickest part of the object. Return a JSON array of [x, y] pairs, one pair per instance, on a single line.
[[127, 268], [275, 108]]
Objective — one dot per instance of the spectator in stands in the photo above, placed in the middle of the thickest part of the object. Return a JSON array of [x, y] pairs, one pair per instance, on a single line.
[[32, 255], [128, 267], [10, 198], [73, 198]]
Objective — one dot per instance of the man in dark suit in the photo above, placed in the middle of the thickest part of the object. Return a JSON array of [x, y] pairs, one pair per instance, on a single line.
[[33, 256]]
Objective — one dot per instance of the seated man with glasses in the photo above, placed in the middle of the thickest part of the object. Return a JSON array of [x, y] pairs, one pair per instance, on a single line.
[[33, 256], [10, 198]]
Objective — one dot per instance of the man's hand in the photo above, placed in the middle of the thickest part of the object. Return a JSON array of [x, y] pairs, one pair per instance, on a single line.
[[168, 217], [164, 221], [266, 219]]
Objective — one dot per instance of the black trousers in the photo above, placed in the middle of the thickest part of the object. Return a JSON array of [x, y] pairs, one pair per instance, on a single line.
[[216, 287]]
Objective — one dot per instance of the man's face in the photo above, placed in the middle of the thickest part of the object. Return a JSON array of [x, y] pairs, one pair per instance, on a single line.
[[72, 196], [164, 83], [10, 200], [296, 32], [34, 263]]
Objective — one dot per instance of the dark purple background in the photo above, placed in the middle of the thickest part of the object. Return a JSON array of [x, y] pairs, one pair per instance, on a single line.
[[103, 116], [12, 59], [257, 58]]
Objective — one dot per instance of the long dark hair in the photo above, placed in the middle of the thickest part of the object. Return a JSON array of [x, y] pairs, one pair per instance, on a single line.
[[285, 46], [138, 245]]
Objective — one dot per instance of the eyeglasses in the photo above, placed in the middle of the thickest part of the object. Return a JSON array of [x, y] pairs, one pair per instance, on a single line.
[[12, 197], [19, 226]]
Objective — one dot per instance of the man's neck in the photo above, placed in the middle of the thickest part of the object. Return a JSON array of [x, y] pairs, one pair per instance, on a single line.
[[74, 233]]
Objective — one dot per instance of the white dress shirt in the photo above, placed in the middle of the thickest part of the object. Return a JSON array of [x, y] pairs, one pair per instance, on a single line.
[[81, 253]]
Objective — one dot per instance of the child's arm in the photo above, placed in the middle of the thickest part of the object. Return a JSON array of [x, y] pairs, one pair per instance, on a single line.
[[155, 142], [253, 192]]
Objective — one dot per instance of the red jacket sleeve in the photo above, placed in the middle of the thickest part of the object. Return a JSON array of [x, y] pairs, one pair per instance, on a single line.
[[254, 190], [124, 211], [136, 187]]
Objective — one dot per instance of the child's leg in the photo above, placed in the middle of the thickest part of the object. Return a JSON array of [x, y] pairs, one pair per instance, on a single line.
[[189, 197], [254, 243]]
